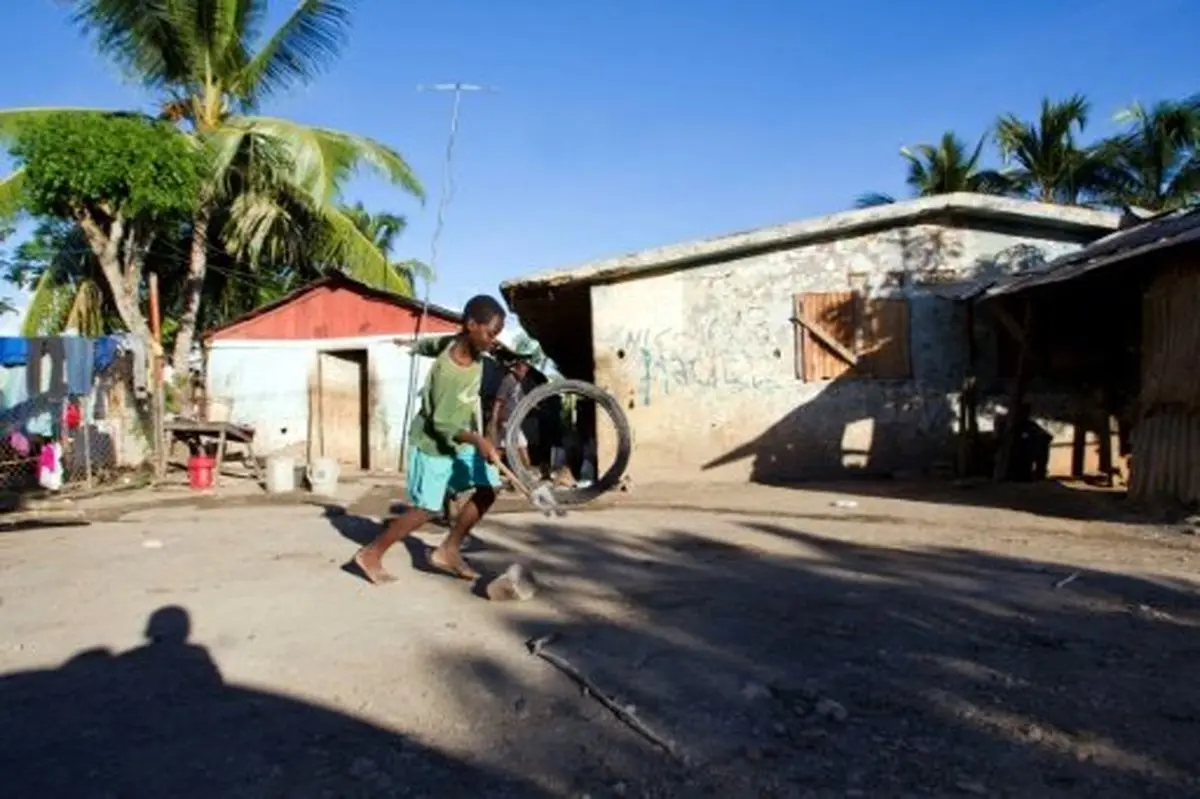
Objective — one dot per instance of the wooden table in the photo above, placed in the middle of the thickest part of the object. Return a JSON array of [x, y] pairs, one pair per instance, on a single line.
[[194, 433]]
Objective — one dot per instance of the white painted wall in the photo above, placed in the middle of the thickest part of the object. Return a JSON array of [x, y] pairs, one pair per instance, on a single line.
[[265, 384]]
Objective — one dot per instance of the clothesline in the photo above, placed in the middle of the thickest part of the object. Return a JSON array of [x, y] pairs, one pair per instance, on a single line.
[[14, 350]]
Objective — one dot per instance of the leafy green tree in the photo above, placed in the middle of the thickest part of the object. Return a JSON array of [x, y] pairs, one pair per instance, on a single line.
[[139, 176], [1045, 158], [943, 168], [1156, 159], [68, 291], [210, 72]]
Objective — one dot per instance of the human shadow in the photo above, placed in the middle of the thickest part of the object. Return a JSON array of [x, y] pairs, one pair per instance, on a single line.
[[784, 661], [159, 720]]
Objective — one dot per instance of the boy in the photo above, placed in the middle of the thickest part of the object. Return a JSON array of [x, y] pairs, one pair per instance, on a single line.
[[510, 394], [447, 452]]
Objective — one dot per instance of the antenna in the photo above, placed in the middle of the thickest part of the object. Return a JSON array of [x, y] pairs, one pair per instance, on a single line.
[[447, 193]]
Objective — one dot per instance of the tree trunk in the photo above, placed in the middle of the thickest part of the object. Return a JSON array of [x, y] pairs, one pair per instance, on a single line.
[[193, 287], [106, 246]]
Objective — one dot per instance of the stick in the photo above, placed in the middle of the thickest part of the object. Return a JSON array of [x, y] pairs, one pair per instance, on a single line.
[[529, 495], [1070, 578], [537, 647]]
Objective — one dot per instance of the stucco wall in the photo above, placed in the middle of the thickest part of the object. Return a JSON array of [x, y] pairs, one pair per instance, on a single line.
[[266, 385], [703, 359]]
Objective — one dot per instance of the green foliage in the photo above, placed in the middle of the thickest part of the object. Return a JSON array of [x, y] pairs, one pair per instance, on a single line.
[[1047, 161], [67, 289], [1155, 161], [1153, 164], [117, 163], [941, 169]]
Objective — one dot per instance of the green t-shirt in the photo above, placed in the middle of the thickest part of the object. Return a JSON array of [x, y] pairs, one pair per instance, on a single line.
[[449, 399]]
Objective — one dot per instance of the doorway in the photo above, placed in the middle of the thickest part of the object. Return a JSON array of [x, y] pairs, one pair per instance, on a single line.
[[339, 415]]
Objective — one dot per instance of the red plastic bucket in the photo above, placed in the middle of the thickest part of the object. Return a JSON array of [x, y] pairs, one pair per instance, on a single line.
[[200, 472]]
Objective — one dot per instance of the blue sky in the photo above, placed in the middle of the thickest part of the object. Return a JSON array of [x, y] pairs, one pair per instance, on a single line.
[[632, 123]]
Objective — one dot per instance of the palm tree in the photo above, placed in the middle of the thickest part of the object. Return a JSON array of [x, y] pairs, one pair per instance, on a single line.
[[66, 286], [384, 229], [1156, 161], [941, 169], [198, 57], [1046, 161]]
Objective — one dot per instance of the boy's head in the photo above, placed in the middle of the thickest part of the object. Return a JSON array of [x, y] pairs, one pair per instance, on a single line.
[[483, 319]]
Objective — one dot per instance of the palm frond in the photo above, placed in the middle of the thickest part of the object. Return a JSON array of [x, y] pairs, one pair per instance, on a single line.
[[148, 39], [12, 190], [873, 199], [304, 45], [322, 160], [342, 243]]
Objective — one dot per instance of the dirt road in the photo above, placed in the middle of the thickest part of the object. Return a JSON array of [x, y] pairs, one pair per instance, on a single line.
[[885, 649]]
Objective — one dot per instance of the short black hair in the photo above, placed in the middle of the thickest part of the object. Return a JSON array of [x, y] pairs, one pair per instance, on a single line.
[[482, 309]]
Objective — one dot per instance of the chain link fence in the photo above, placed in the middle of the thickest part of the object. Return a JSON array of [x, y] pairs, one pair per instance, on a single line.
[[56, 443]]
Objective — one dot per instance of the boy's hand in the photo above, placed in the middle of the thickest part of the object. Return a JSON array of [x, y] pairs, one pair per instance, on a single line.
[[487, 449]]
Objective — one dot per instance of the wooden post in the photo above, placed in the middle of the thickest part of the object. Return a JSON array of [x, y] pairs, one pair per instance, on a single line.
[[1004, 456], [156, 372], [968, 422], [86, 421]]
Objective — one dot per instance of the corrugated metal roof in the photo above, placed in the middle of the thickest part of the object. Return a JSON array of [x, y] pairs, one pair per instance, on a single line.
[[334, 278], [1168, 230]]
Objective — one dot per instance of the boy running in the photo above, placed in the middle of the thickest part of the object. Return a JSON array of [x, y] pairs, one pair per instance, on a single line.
[[447, 452]]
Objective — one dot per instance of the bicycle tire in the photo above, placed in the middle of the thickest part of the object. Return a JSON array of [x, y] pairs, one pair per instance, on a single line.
[[605, 482]]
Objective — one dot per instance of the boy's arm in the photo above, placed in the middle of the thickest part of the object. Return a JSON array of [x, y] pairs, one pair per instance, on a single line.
[[431, 347]]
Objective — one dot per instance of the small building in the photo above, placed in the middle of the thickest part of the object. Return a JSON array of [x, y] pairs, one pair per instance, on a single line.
[[323, 371], [814, 349], [1117, 324]]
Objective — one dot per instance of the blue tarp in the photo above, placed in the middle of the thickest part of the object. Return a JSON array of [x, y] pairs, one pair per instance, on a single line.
[[14, 351]]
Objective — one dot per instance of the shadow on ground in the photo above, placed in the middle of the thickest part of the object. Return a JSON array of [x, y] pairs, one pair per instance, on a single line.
[[841, 669], [160, 721]]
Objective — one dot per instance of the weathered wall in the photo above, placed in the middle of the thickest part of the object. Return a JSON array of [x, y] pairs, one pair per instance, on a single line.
[[267, 386], [703, 359]]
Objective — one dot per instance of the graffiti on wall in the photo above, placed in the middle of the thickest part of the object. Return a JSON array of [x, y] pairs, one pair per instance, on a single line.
[[660, 361]]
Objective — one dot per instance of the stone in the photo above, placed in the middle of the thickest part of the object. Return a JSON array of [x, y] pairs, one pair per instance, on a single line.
[[753, 691], [831, 709]]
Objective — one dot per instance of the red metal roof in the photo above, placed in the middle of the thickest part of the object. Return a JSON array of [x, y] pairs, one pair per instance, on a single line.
[[336, 306]]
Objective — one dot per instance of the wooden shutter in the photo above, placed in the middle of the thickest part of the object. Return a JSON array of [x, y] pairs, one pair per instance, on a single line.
[[885, 351], [826, 326], [839, 334]]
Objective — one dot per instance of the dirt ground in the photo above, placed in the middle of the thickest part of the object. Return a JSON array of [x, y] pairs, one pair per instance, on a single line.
[[857, 641]]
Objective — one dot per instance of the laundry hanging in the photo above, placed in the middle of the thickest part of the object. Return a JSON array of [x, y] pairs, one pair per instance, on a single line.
[[79, 354]]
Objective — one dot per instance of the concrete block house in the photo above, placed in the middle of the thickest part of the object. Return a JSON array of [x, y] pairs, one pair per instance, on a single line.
[[816, 349]]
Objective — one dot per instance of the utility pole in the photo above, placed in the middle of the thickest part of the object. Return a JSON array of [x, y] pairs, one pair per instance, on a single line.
[[447, 192]]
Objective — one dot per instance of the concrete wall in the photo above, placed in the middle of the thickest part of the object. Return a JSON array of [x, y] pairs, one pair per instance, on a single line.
[[266, 385], [703, 359]]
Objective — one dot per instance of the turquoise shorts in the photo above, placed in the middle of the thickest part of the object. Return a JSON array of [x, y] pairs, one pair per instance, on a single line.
[[431, 478]]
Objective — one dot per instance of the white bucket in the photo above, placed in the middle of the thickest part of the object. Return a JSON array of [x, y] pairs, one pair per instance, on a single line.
[[323, 476], [281, 474]]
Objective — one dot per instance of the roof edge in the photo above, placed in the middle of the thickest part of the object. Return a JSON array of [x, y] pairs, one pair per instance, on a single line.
[[334, 277], [844, 223]]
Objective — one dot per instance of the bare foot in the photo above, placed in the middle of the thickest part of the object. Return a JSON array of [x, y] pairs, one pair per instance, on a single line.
[[372, 567], [452, 564]]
